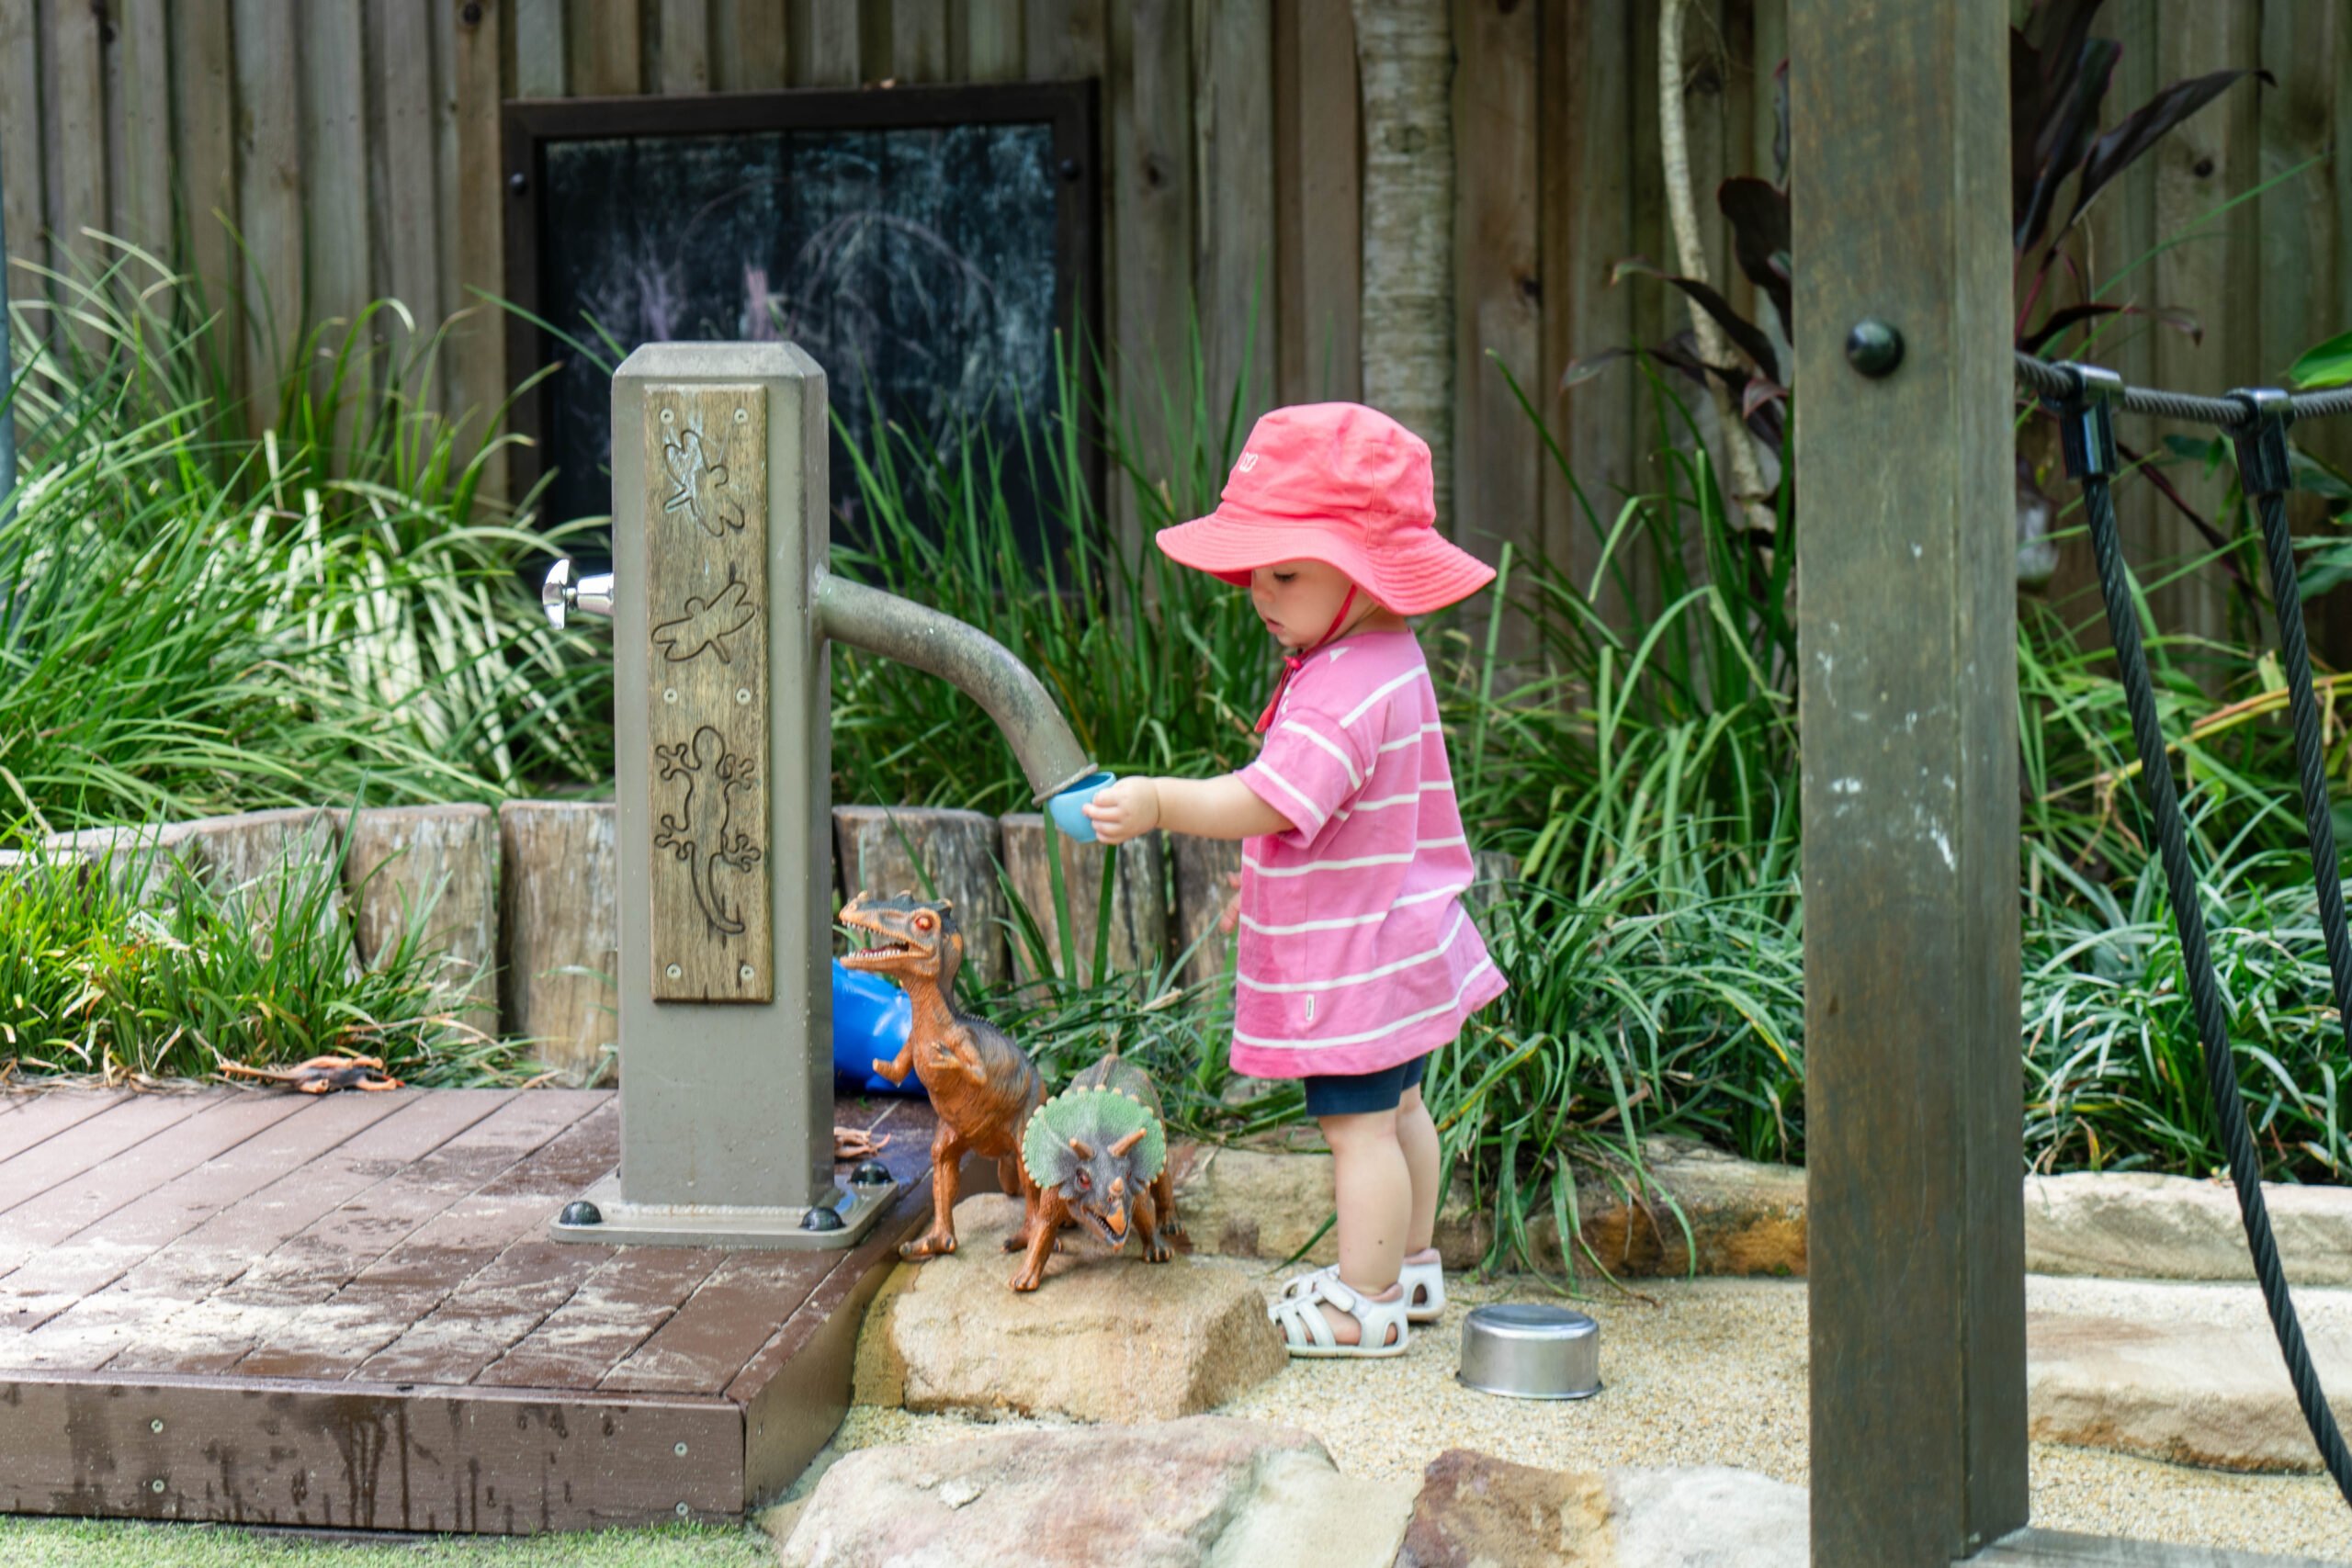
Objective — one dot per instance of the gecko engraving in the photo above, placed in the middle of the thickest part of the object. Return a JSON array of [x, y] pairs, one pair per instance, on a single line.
[[697, 485], [705, 844], [707, 624]]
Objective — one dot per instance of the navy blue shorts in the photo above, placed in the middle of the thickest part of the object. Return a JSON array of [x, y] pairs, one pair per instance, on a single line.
[[1355, 1094]]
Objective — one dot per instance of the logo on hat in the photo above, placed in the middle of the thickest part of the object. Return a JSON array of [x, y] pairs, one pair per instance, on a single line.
[[1248, 461]]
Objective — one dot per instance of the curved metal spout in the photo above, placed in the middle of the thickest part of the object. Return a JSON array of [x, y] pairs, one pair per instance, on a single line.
[[970, 660]]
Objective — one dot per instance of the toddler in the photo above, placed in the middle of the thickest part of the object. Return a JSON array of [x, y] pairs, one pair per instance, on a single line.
[[1355, 957]]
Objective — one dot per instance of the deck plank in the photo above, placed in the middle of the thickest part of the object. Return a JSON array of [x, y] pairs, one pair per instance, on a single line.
[[364, 1456], [575, 1158], [36, 1228], [325, 1264], [43, 1116], [336, 1248], [88, 1261], [614, 1311], [518, 1202], [326, 1340], [707, 1342], [200, 1335], [493, 1311], [796, 1388], [89, 1141]]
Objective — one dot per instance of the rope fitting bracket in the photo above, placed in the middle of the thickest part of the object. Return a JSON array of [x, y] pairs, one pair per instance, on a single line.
[[2086, 421], [2261, 440]]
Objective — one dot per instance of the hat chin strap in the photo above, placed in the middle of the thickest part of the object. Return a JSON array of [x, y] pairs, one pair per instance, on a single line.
[[1291, 661]]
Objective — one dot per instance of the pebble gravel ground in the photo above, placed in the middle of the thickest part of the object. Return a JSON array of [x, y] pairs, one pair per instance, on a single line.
[[1712, 1371]]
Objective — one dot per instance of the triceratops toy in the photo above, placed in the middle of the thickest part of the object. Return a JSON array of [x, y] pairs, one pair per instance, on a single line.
[[1098, 1154]]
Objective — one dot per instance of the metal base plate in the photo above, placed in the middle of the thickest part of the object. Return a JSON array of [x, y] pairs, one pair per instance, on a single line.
[[690, 1224]]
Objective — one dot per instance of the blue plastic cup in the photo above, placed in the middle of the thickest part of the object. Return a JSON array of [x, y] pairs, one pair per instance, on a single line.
[[1068, 808]]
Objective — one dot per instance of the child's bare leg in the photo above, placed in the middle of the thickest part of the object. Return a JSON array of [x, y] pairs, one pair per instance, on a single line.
[[1375, 1199], [1416, 1135]]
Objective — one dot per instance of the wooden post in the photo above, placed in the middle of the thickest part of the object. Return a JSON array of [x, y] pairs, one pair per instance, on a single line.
[[1907, 635]]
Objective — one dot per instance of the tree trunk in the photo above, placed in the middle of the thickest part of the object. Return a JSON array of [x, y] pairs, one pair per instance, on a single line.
[[1744, 484], [1405, 55]]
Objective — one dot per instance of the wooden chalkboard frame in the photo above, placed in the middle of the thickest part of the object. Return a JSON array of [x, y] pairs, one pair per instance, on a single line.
[[1070, 107]]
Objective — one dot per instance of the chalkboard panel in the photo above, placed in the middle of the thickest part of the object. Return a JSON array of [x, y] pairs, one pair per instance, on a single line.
[[924, 264]]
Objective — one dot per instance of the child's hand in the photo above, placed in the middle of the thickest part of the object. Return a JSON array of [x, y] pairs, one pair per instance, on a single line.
[[1232, 916], [1125, 808]]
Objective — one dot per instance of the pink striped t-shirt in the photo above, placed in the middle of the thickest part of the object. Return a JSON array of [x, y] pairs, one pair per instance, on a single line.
[[1354, 951]]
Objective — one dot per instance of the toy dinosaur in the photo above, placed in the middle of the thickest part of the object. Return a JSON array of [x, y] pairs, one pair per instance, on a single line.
[[1098, 1154], [323, 1074], [856, 1143], [982, 1085]]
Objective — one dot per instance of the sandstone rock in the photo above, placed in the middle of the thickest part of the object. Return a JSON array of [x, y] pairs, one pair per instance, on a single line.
[[2187, 1393], [1102, 1339], [1745, 1218], [1138, 898], [1264, 1201], [1707, 1516], [404, 858], [2131, 1224], [1476, 1511], [1249, 1204], [1197, 1492], [559, 887], [880, 846]]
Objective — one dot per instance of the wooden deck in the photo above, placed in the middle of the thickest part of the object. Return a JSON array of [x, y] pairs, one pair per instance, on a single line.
[[342, 1311]]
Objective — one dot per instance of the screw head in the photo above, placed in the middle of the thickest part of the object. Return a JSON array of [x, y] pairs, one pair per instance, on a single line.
[[871, 1173], [670, 695], [680, 1450], [156, 1484], [674, 971], [579, 1211], [821, 1220], [743, 973], [1874, 347], [518, 182], [1069, 169], [681, 1510], [742, 416], [156, 1425], [742, 695]]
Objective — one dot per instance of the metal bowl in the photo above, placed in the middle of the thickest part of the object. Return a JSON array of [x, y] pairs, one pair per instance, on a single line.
[[1530, 1352]]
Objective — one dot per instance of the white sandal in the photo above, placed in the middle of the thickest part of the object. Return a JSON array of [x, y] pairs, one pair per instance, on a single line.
[[1424, 1288], [1307, 1332]]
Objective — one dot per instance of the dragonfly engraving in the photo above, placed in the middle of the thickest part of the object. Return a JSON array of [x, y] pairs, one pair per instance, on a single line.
[[707, 624], [698, 484], [702, 832]]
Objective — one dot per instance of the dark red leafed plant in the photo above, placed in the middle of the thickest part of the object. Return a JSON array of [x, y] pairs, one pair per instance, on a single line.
[[2059, 76]]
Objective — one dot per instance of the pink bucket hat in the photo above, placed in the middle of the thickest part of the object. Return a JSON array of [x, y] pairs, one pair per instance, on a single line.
[[1340, 483]]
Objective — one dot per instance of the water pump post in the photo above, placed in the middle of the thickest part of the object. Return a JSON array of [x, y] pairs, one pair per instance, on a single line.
[[723, 757]]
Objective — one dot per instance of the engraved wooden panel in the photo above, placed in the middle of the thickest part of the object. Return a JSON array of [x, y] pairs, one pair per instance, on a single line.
[[706, 608]]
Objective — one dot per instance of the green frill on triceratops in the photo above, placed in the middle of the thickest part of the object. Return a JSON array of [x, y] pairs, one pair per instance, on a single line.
[[1098, 1152]]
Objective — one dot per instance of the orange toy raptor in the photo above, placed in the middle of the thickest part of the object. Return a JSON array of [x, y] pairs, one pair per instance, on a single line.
[[982, 1085], [323, 1074]]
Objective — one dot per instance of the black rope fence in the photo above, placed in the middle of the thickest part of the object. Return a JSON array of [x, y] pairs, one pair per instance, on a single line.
[[2055, 383], [2085, 400]]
